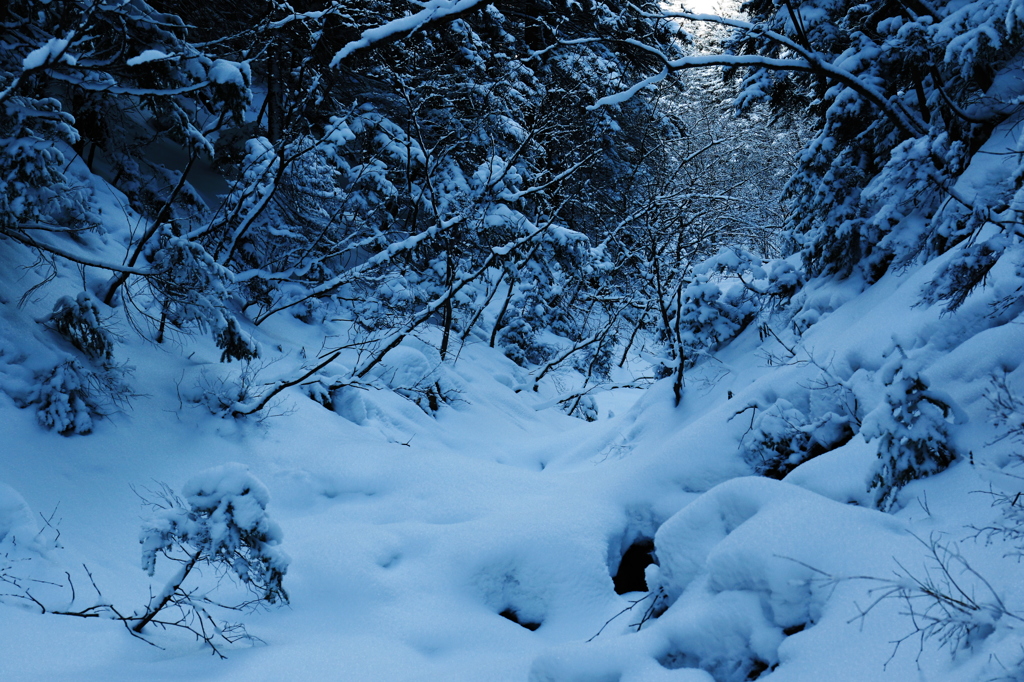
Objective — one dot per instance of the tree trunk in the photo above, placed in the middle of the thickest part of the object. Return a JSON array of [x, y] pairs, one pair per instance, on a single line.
[[172, 588]]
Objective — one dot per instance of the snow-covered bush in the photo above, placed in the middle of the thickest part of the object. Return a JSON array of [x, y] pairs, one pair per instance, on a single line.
[[584, 407], [1006, 412], [964, 273], [233, 344], [34, 188], [710, 317], [518, 340], [71, 392], [221, 523], [193, 291], [65, 403], [78, 321], [223, 393], [782, 436], [1006, 408], [70, 397], [912, 427]]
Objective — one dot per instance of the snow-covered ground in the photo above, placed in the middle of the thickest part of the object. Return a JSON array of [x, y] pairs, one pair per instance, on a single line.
[[409, 534]]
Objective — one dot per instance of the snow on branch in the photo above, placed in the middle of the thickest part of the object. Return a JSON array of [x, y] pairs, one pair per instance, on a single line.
[[433, 12], [80, 258]]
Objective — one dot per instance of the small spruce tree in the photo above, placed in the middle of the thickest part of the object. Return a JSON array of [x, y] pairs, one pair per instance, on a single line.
[[912, 425]]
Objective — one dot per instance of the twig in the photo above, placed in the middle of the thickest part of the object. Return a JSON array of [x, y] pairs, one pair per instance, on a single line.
[[632, 605]]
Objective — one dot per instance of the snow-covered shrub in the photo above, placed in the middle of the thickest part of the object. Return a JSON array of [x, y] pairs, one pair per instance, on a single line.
[[78, 321], [193, 291], [524, 317], [1006, 412], [965, 272], [233, 344], [948, 601], [912, 426], [33, 186], [70, 396], [1006, 408], [192, 286], [519, 342], [65, 404], [710, 317], [229, 393], [584, 407], [782, 282], [221, 523], [782, 436]]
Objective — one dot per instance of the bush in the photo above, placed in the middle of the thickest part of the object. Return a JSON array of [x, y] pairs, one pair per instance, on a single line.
[[70, 397], [78, 321], [222, 523], [912, 425], [782, 437]]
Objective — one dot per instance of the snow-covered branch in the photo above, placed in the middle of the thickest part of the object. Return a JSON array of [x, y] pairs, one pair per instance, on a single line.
[[808, 61], [433, 12], [73, 256]]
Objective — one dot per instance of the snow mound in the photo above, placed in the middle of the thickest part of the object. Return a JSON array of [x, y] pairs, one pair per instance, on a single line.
[[224, 72], [746, 565], [16, 522], [768, 537]]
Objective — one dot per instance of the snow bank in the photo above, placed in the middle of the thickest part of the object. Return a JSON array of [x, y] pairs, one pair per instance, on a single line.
[[16, 523], [760, 535], [743, 567]]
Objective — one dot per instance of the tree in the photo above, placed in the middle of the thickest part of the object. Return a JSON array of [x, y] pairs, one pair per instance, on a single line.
[[456, 176], [107, 77], [912, 428], [405, 169], [904, 94], [222, 524]]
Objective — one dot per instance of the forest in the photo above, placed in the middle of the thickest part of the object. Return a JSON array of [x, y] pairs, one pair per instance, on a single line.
[[540, 340]]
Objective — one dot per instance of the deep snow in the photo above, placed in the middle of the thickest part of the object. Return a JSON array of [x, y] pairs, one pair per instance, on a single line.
[[408, 534]]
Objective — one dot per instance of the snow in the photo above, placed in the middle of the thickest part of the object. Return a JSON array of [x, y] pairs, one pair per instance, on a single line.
[[224, 72], [147, 56], [432, 10], [409, 532], [16, 520], [403, 561], [419, 505], [45, 54]]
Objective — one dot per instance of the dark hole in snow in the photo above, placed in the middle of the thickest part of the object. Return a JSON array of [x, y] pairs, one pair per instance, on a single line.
[[630, 576], [514, 617], [793, 629], [757, 668]]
